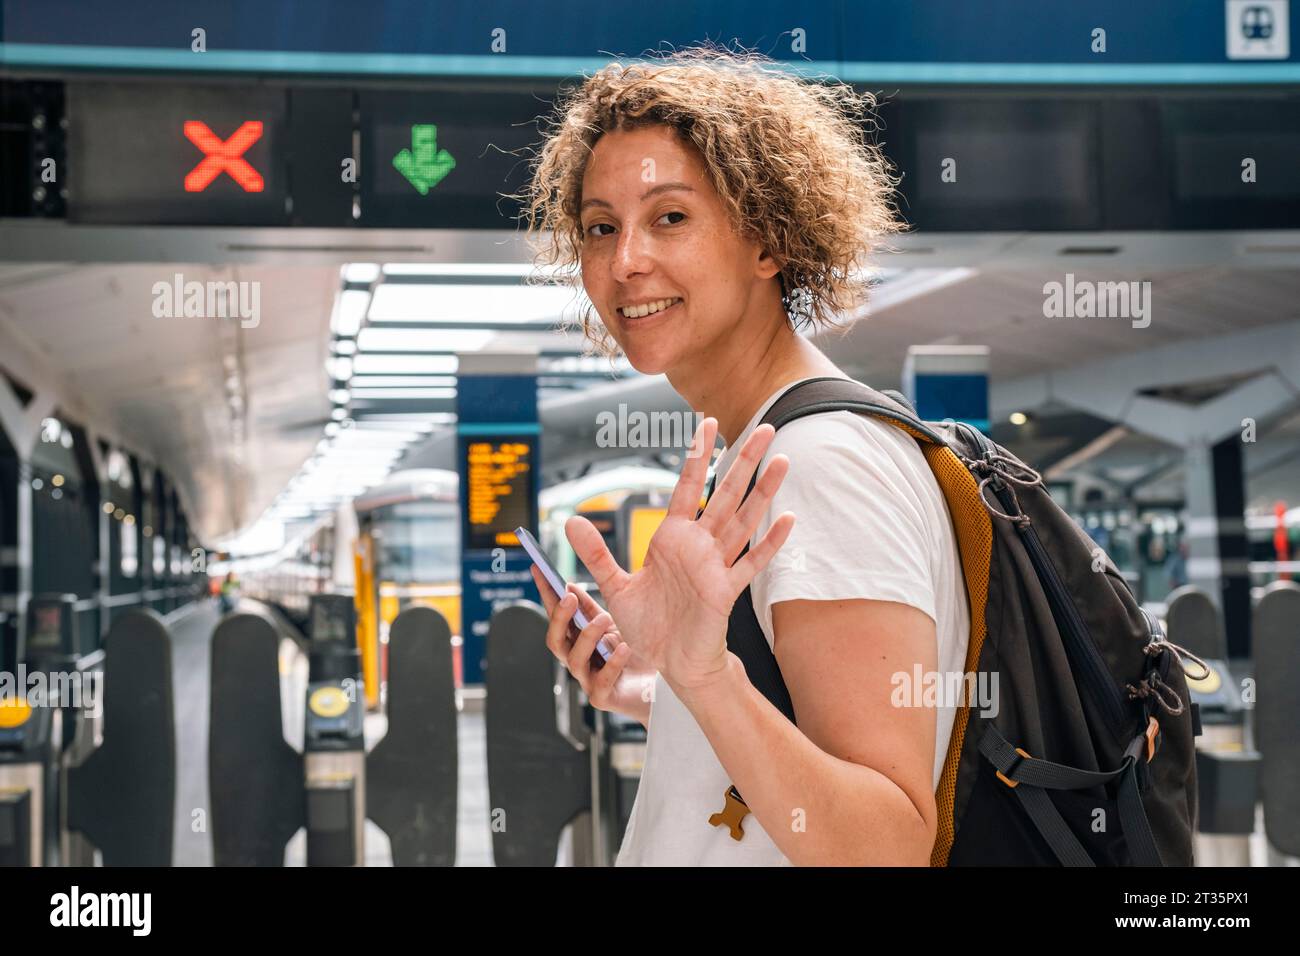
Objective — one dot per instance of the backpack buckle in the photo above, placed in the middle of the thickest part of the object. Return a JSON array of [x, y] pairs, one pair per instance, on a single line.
[[1152, 735], [1012, 769]]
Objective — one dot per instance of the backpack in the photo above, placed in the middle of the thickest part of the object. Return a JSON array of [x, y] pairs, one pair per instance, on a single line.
[[1089, 760]]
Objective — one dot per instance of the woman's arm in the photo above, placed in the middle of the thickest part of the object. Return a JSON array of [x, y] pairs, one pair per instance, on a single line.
[[852, 785]]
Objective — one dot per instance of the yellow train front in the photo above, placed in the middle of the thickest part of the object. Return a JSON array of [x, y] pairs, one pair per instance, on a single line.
[[405, 552]]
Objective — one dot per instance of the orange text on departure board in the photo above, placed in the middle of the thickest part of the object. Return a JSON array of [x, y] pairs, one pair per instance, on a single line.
[[496, 471]]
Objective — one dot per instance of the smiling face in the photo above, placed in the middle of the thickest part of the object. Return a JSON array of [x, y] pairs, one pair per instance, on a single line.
[[667, 273]]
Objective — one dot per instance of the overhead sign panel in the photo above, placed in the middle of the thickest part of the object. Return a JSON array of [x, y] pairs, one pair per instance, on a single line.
[[450, 156], [186, 155], [436, 159]]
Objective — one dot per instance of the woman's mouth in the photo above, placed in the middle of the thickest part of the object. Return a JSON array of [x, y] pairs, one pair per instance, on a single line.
[[638, 313]]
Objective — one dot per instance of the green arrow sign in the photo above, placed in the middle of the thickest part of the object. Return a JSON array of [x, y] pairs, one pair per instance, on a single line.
[[424, 164]]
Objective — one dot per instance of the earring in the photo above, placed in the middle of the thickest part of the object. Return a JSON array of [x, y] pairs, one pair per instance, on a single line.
[[799, 305]]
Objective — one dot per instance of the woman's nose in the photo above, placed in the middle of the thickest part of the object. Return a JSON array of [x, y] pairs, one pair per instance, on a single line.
[[631, 255]]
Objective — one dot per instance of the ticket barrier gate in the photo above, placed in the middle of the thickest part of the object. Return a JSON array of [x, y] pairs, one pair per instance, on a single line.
[[263, 790], [29, 760], [1227, 768], [626, 739], [88, 757], [1249, 751], [334, 756], [1192, 615], [34, 732], [1276, 635], [551, 756]]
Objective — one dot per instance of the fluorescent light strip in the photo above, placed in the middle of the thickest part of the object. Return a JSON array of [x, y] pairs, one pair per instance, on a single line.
[[361, 272], [404, 381], [469, 303], [405, 365], [349, 311], [423, 340], [373, 393], [428, 419], [519, 269]]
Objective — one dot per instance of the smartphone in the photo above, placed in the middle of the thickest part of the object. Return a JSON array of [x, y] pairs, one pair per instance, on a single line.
[[559, 589]]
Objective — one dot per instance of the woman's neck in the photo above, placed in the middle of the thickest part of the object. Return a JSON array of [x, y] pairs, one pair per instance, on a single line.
[[732, 388]]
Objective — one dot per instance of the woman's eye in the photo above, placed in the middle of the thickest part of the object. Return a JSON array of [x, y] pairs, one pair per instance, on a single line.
[[591, 230]]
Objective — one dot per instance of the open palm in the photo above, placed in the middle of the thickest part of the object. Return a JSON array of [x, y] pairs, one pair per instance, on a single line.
[[673, 611]]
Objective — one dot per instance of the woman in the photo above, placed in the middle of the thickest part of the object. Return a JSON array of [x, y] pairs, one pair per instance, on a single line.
[[715, 205]]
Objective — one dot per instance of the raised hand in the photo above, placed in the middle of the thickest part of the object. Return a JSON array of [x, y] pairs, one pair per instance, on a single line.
[[673, 611]]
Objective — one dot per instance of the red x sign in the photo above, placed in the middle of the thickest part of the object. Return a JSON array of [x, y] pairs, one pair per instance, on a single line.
[[224, 157]]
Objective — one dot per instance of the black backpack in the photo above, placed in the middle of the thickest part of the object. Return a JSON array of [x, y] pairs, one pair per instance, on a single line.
[[1090, 758]]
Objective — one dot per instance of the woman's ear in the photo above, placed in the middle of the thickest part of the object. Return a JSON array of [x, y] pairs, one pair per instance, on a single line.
[[767, 266]]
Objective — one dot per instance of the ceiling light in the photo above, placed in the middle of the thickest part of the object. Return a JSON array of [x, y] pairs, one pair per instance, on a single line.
[[339, 368], [360, 272], [349, 311], [468, 303], [423, 340], [373, 393], [405, 365]]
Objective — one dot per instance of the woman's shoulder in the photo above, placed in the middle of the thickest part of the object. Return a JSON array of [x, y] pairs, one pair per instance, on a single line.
[[843, 455], [844, 434]]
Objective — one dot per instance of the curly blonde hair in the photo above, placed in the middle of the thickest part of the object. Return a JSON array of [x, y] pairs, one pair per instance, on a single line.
[[789, 159]]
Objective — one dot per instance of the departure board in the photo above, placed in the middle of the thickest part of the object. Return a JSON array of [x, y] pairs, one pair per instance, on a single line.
[[500, 490]]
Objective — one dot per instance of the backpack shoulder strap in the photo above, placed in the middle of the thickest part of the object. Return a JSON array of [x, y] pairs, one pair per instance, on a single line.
[[832, 394]]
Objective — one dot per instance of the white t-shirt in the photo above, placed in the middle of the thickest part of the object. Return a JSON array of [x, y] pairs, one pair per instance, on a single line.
[[872, 523]]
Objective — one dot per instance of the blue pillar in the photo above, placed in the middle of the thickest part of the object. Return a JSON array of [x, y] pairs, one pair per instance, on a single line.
[[497, 453]]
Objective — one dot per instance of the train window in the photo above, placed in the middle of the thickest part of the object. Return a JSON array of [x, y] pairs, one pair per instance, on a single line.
[[417, 542]]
